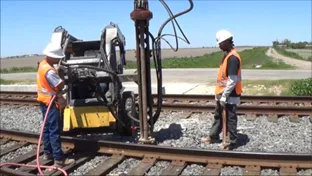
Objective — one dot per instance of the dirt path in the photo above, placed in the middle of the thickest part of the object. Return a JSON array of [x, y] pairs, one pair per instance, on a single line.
[[300, 64]]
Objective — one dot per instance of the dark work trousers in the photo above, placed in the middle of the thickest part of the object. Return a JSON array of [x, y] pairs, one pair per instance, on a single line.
[[216, 128], [51, 132]]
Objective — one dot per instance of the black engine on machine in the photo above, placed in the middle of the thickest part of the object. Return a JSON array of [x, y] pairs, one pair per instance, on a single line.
[[85, 84]]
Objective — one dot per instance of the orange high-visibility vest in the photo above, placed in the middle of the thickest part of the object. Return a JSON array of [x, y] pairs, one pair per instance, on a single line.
[[44, 90], [222, 78]]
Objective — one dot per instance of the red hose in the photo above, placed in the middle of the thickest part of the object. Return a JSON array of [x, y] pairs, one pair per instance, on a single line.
[[38, 166]]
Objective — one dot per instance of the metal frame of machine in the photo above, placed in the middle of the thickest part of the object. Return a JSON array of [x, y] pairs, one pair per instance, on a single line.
[[95, 96], [93, 77]]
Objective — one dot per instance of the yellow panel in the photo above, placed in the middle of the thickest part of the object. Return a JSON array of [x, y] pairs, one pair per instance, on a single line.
[[73, 118], [111, 117], [83, 118], [88, 117], [66, 119]]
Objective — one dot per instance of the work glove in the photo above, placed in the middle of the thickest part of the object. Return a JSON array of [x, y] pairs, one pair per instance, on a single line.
[[61, 67], [63, 91], [61, 70], [223, 101]]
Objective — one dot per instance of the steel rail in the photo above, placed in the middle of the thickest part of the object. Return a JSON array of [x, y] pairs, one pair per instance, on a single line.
[[18, 101], [200, 108], [194, 97], [244, 109], [172, 98], [251, 110], [189, 155]]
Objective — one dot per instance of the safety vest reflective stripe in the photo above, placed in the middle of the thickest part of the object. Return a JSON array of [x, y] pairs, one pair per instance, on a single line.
[[43, 91], [223, 83]]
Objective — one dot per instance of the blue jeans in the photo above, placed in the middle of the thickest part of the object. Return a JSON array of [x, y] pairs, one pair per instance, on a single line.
[[51, 133]]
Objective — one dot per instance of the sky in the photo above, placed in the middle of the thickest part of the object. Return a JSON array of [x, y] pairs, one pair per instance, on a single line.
[[27, 26]]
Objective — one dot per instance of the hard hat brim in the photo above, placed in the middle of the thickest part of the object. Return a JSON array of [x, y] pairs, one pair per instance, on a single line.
[[47, 52], [224, 40], [51, 55]]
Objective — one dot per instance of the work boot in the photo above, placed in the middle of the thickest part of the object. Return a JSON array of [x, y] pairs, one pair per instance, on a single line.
[[210, 140], [64, 162], [47, 156]]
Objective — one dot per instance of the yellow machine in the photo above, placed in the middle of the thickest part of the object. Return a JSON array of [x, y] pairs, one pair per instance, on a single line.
[[93, 77]]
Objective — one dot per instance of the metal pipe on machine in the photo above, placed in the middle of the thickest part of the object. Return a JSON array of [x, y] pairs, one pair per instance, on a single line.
[[141, 15]]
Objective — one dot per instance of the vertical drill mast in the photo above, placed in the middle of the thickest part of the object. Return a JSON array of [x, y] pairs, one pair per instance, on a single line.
[[141, 16]]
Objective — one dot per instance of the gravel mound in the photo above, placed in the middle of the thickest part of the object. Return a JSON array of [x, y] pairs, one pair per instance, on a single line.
[[7, 145], [17, 153], [231, 171], [306, 172], [92, 164], [269, 172], [158, 168], [193, 169], [260, 135], [125, 167]]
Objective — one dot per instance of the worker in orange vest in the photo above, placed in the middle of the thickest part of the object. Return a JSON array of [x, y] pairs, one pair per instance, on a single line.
[[49, 83], [228, 90]]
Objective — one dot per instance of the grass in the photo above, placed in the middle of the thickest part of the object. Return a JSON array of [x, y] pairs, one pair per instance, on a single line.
[[291, 54], [8, 82], [305, 53], [250, 58], [18, 70], [268, 87]]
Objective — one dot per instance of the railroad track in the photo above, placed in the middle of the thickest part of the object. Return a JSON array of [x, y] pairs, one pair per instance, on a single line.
[[202, 99], [252, 106], [212, 160]]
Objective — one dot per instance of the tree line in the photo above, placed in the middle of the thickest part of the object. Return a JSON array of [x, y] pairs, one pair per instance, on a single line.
[[294, 45]]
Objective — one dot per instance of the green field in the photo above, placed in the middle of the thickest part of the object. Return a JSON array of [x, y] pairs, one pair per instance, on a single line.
[[250, 58], [7, 82], [267, 87], [18, 70], [301, 54], [305, 53]]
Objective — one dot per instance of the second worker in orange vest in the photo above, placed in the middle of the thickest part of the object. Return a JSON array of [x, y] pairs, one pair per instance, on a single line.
[[228, 90]]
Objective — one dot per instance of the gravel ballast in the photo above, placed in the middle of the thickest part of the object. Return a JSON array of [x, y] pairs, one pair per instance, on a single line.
[[193, 169], [17, 153], [125, 167], [260, 135], [92, 164], [24, 118], [158, 168], [7, 145]]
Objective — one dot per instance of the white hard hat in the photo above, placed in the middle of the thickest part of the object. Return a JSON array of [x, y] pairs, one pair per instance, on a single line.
[[54, 51], [223, 35]]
